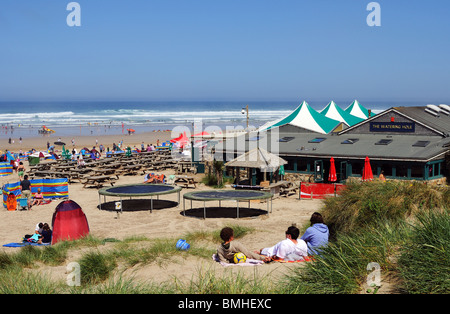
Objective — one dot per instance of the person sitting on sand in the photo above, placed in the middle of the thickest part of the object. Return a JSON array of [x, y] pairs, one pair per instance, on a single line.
[[38, 198], [80, 162], [149, 178], [226, 251], [317, 235], [289, 249]]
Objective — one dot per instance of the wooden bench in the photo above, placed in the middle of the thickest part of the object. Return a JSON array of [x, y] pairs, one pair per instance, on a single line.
[[97, 181], [186, 181]]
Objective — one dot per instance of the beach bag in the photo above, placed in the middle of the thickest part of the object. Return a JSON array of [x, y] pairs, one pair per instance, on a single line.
[[11, 202]]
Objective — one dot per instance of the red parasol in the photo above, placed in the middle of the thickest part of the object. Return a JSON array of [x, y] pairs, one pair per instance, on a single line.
[[367, 171], [332, 176]]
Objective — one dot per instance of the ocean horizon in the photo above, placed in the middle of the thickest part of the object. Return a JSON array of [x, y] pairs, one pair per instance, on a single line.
[[23, 119]]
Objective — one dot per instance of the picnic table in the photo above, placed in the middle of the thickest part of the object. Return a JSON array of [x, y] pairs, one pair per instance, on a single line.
[[186, 181], [131, 169], [98, 181], [186, 166], [277, 187], [64, 167], [105, 171]]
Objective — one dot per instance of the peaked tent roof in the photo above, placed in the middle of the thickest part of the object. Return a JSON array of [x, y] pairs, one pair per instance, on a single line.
[[335, 112], [357, 110], [258, 158], [305, 117]]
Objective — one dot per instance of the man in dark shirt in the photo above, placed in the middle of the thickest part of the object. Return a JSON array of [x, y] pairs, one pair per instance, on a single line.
[[25, 186]]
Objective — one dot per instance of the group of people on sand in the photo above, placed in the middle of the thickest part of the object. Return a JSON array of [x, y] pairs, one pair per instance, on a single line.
[[292, 248], [42, 234], [25, 188]]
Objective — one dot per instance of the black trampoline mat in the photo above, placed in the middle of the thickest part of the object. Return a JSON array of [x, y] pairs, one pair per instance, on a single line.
[[140, 189], [227, 195], [138, 205]]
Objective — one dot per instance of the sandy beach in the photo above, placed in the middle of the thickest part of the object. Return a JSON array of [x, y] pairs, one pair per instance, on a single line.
[[39, 142], [163, 223]]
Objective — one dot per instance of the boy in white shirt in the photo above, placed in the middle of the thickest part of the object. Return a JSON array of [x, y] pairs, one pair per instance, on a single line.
[[290, 249]]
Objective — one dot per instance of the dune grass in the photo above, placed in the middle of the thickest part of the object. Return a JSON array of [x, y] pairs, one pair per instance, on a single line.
[[424, 263], [402, 226]]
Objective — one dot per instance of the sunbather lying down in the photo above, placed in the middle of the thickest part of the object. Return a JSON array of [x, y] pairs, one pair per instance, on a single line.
[[153, 178]]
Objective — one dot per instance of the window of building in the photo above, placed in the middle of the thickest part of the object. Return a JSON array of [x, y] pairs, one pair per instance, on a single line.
[[421, 143], [401, 171], [383, 142], [417, 171], [317, 140], [357, 168], [302, 165], [350, 141], [286, 139], [290, 164], [387, 169], [436, 170]]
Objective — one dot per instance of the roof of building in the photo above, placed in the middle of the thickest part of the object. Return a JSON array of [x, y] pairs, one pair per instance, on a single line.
[[307, 118], [257, 158], [376, 146], [333, 111], [357, 110], [439, 121], [289, 140]]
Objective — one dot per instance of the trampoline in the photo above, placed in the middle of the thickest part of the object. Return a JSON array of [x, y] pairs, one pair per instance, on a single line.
[[136, 190], [227, 195]]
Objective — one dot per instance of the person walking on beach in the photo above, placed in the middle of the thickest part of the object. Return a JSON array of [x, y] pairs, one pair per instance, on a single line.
[[20, 170]]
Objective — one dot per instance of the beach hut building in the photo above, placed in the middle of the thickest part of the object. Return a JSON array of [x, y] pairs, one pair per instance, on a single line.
[[259, 164], [406, 143]]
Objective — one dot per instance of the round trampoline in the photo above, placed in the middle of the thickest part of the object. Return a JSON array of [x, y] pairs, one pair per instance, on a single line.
[[134, 191], [227, 195]]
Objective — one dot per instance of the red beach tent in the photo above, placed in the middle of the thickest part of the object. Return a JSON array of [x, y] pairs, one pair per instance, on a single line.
[[69, 222]]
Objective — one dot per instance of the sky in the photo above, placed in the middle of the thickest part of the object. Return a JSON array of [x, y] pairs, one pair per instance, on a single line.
[[225, 50]]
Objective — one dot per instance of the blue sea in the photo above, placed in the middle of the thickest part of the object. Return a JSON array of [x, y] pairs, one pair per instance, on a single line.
[[23, 119]]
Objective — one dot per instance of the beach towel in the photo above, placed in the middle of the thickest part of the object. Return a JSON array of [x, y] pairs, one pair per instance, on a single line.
[[305, 259], [22, 244], [249, 262]]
